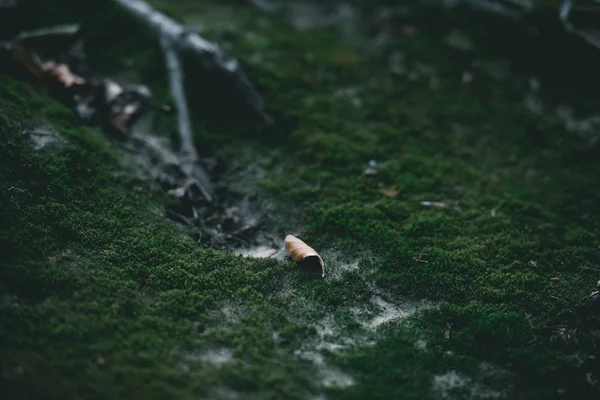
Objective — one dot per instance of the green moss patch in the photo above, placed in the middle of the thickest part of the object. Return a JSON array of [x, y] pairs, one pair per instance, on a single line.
[[103, 297]]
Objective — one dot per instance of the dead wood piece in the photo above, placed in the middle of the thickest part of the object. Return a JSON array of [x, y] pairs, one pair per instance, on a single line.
[[434, 204], [178, 93], [208, 57]]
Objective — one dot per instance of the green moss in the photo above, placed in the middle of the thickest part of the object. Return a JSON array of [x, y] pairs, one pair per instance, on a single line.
[[104, 298]]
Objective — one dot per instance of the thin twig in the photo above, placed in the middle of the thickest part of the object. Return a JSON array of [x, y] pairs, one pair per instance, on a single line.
[[187, 151], [558, 298], [590, 269], [178, 93]]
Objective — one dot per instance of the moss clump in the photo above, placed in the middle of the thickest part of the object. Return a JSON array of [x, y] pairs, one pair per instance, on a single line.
[[102, 297]]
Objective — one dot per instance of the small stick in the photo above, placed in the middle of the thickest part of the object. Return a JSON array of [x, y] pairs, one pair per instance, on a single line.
[[178, 93], [590, 269], [189, 156], [558, 298]]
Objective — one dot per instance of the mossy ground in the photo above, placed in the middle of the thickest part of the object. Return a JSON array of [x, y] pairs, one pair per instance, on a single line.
[[104, 298]]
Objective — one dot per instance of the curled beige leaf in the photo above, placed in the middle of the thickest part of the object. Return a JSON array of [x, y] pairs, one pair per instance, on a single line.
[[304, 255], [62, 74]]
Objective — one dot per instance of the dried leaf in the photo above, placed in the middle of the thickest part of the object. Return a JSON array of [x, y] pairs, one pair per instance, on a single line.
[[392, 191], [62, 74], [95, 101], [304, 255]]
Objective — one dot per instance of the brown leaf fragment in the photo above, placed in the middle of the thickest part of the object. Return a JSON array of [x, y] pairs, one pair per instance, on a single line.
[[304, 255], [62, 74], [392, 191]]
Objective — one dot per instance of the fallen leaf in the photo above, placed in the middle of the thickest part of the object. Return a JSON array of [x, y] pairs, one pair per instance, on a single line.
[[62, 74], [392, 191], [96, 101], [304, 255]]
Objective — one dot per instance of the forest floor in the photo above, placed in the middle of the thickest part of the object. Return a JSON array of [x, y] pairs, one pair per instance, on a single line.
[[103, 297]]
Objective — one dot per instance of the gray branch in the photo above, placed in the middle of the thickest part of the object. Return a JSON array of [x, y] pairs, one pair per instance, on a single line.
[[176, 41], [207, 55], [188, 151]]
